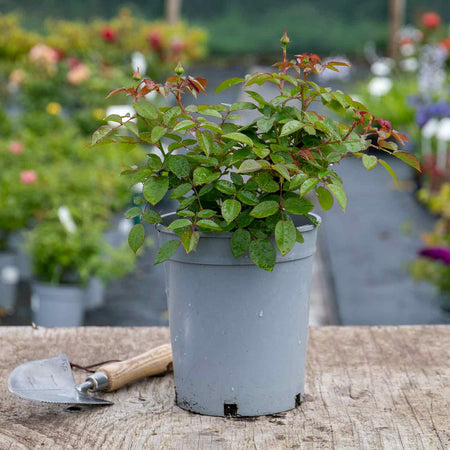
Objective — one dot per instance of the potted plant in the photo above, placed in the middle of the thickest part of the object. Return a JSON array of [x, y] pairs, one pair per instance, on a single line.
[[239, 247], [65, 257]]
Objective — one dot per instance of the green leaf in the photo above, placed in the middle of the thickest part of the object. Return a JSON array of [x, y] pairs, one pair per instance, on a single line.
[[228, 83], [325, 198], [369, 161], [291, 127], [179, 165], [205, 141], [263, 254], [155, 189], [310, 129], [297, 180], [285, 236], [261, 152], [157, 133], [136, 237], [339, 193], [179, 223], [308, 185], [151, 216], [100, 134], [180, 190], [239, 137], [206, 213], [408, 158], [154, 162], [202, 175], [247, 197], [298, 205], [166, 251], [242, 105], [236, 179], [211, 112], [389, 169], [209, 225], [240, 241], [282, 170], [265, 124], [183, 125], [230, 210], [133, 212], [225, 186], [265, 209], [299, 237], [186, 213], [249, 165], [170, 114], [146, 110], [190, 239], [132, 127]]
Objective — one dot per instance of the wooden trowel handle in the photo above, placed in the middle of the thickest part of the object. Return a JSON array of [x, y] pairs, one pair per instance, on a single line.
[[156, 361]]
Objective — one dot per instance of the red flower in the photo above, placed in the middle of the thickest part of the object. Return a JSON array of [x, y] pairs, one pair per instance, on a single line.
[[431, 20], [108, 34], [154, 38]]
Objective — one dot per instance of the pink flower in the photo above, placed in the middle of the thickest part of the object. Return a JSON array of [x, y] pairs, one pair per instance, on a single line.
[[16, 147], [177, 45], [28, 176], [79, 73]]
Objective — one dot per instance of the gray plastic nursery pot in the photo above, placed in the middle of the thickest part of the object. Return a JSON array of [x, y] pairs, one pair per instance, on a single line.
[[57, 305], [23, 259], [9, 276], [94, 297], [239, 334]]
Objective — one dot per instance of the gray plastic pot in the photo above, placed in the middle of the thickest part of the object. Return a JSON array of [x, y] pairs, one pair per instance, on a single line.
[[94, 294], [9, 277], [23, 259], [57, 305], [239, 334]]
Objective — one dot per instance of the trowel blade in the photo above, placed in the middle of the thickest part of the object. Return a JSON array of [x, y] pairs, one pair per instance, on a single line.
[[49, 380]]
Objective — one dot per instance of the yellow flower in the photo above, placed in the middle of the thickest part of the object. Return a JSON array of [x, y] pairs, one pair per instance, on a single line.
[[54, 108], [98, 114]]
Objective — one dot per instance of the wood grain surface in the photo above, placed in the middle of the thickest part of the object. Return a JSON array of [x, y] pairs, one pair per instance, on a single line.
[[366, 388]]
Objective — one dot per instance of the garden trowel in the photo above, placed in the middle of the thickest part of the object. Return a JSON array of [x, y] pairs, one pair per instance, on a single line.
[[51, 379]]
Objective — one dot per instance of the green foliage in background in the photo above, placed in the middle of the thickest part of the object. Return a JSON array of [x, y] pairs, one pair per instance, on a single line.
[[251, 26]]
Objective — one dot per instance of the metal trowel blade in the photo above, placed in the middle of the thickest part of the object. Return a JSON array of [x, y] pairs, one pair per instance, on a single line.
[[49, 380]]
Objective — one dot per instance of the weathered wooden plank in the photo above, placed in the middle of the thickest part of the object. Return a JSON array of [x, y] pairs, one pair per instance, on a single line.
[[367, 388]]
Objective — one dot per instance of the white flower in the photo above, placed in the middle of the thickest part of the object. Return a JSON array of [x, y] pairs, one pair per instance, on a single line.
[[443, 133], [430, 128], [138, 62], [409, 64], [66, 219], [382, 67], [379, 86], [407, 49]]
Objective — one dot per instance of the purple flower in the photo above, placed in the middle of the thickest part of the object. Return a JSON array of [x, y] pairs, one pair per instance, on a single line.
[[437, 253]]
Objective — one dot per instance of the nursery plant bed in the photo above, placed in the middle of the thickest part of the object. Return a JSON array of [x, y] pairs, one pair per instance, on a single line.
[[366, 387]]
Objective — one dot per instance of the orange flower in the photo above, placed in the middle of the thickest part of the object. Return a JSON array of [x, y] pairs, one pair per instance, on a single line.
[[445, 43]]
